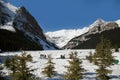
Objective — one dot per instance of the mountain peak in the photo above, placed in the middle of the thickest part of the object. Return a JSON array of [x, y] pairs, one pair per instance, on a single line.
[[100, 25], [98, 22]]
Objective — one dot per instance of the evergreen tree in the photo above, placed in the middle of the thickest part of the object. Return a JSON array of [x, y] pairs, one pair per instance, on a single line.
[[103, 58], [23, 70], [11, 64], [7, 62], [49, 69], [74, 70], [19, 68]]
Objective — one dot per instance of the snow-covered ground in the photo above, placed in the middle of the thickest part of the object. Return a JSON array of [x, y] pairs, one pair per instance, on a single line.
[[40, 63]]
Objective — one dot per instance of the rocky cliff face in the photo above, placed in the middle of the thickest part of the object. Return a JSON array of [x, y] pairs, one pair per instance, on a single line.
[[25, 21], [100, 27], [91, 38], [20, 23]]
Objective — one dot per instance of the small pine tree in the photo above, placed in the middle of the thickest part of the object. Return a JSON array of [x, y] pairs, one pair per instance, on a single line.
[[74, 70], [49, 69], [103, 58], [11, 64], [19, 68], [7, 62], [24, 70]]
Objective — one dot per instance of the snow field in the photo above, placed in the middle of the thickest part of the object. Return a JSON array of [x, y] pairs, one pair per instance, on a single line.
[[39, 63]]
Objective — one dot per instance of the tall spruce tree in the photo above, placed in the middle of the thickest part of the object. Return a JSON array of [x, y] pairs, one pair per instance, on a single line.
[[103, 58], [49, 69], [74, 70], [19, 68]]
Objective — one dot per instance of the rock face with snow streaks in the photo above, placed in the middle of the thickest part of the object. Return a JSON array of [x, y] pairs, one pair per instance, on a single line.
[[20, 30], [89, 40], [71, 38]]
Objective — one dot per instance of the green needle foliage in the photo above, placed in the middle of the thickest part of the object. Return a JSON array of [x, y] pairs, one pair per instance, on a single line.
[[49, 69], [103, 58], [11, 64], [74, 70], [18, 67]]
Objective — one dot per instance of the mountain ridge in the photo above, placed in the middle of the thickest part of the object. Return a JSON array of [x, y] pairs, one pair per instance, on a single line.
[[61, 37], [89, 40]]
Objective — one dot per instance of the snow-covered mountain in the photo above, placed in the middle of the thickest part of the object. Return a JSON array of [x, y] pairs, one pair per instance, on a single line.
[[90, 39], [118, 22], [19, 20], [61, 37], [7, 15]]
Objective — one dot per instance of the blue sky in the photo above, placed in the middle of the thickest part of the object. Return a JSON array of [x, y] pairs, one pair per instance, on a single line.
[[70, 14]]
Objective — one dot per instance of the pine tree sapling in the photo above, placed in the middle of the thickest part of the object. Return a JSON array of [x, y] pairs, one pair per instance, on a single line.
[[74, 70], [103, 58], [10, 63], [24, 71], [7, 62], [49, 69], [18, 66]]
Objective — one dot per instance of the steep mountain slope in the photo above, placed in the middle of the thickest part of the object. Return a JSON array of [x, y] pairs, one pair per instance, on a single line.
[[110, 30], [16, 41], [20, 23]]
